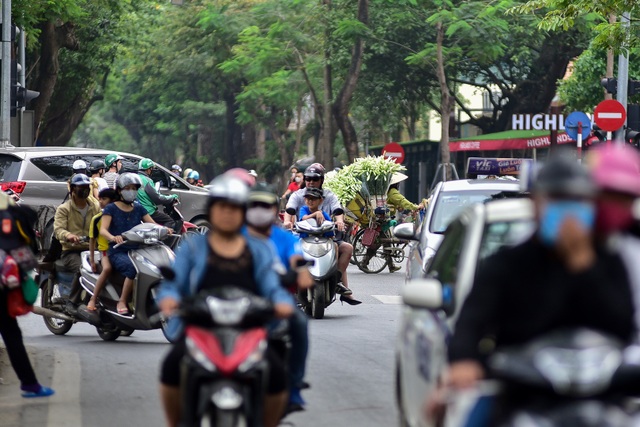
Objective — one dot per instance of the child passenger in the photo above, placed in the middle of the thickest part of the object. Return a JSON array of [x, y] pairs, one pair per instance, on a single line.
[[105, 197], [117, 218]]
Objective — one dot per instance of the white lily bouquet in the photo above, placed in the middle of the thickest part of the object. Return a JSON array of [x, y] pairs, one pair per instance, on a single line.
[[367, 177]]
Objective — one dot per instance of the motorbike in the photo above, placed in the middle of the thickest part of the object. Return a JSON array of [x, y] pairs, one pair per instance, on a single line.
[[149, 254], [576, 377], [324, 270], [224, 371]]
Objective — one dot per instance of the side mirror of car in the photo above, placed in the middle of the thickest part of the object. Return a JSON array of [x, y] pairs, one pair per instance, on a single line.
[[156, 185], [405, 231], [429, 294], [172, 182]]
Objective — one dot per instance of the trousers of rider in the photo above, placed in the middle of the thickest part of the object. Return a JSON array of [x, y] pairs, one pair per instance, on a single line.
[[298, 331], [12, 337], [164, 219]]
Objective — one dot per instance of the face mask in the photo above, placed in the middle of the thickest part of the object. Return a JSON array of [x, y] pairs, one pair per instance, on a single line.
[[612, 217], [298, 179], [129, 195], [260, 217], [555, 213], [82, 193]]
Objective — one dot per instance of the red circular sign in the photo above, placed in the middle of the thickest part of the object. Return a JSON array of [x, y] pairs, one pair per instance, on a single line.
[[609, 115], [394, 151]]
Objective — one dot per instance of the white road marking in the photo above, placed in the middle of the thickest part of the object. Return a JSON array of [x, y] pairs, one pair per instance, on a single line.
[[64, 406], [388, 299]]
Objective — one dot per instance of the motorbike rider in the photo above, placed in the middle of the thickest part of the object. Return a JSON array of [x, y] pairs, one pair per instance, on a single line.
[[149, 198], [261, 215], [113, 162], [314, 178], [558, 278], [176, 170], [117, 218], [616, 171], [223, 256], [71, 224], [193, 178], [98, 183]]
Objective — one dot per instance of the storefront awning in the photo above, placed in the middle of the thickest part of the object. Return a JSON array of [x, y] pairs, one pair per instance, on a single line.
[[508, 140]]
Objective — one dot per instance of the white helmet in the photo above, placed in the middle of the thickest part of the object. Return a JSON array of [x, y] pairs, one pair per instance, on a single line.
[[79, 165], [229, 189]]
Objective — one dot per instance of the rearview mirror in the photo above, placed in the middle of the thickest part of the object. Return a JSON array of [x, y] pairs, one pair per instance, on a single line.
[[157, 186], [404, 231], [423, 293]]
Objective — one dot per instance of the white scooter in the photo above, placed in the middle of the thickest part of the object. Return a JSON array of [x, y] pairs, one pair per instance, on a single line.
[[323, 251]]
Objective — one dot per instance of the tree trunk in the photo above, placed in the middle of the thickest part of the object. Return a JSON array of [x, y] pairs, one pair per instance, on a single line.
[[341, 104], [445, 101], [58, 130]]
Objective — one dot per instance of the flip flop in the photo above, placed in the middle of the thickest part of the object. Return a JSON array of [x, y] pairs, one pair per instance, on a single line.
[[44, 392], [124, 311]]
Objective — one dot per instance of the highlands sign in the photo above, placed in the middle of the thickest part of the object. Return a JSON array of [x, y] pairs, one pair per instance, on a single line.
[[537, 122]]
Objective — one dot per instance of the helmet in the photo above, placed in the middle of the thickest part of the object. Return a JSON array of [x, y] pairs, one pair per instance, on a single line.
[[229, 189], [145, 164], [79, 165], [80, 179], [176, 168], [186, 172], [128, 179], [263, 193], [316, 170], [242, 175], [253, 173], [397, 177], [564, 176], [96, 165], [111, 159], [615, 168], [193, 175]]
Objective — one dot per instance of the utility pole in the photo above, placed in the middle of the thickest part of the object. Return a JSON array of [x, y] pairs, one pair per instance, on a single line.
[[5, 77], [623, 75]]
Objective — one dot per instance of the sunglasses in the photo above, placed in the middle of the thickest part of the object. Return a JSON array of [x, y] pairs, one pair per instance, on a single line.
[[311, 179], [260, 205]]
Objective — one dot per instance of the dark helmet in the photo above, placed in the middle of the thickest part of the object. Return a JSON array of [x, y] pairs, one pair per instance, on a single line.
[[316, 170], [263, 193], [80, 179], [563, 176], [96, 165]]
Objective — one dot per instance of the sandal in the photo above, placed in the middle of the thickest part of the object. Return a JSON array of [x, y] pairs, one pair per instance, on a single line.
[[123, 310]]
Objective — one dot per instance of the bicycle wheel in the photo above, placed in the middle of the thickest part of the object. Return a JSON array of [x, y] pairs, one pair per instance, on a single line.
[[375, 263]]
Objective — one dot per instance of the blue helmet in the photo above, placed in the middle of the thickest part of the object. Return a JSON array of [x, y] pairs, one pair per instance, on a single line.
[[193, 175], [80, 179]]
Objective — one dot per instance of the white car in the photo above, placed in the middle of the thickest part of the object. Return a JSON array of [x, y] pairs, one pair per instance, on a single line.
[[447, 200], [431, 305]]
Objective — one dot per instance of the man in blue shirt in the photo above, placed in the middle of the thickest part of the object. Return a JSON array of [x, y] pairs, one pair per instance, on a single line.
[[261, 214]]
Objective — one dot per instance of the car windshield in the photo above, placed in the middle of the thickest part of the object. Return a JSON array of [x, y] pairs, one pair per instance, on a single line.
[[9, 168], [450, 203], [505, 233]]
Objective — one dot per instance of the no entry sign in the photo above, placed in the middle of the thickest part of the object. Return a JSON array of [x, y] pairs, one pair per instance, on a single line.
[[609, 115], [394, 151]]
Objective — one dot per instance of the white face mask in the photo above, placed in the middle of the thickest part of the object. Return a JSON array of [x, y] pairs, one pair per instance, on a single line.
[[260, 217], [298, 179], [129, 195]]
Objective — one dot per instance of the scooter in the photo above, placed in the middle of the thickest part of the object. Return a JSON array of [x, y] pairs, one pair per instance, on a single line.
[[568, 378], [324, 253], [224, 370], [147, 257]]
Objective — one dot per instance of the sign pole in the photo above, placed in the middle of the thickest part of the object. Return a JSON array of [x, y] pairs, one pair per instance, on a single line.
[[579, 139], [5, 76], [609, 137], [623, 75]]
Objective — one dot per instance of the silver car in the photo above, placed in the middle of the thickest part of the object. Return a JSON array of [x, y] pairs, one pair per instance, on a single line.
[[431, 305], [447, 200], [39, 175]]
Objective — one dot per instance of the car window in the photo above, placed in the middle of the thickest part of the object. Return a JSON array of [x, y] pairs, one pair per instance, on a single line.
[[167, 179], [9, 167], [444, 266], [450, 203], [58, 168], [501, 234]]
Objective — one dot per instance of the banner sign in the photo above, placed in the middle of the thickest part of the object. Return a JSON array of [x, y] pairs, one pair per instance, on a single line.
[[495, 166], [508, 144]]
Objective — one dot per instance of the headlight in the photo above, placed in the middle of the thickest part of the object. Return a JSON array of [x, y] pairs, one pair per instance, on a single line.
[[148, 264], [256, 356], [199, 356], [317, 249], [227, 399], [227, 312], [149, 236]]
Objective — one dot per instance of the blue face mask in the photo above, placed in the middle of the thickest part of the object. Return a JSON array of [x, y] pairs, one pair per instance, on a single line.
[[556, 212]]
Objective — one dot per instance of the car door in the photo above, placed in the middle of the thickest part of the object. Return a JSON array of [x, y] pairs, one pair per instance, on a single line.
[[424, 333]]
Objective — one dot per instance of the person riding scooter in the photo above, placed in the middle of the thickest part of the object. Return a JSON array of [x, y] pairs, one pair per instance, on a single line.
[[149, 197]]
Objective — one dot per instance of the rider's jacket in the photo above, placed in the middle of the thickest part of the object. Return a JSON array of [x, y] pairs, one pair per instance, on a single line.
[[523, 292], [190, 267], [397, 201], [149, 198], [70, 220]]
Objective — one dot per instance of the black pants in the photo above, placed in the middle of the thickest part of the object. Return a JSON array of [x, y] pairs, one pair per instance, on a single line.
[[12, 337], [164, 219]]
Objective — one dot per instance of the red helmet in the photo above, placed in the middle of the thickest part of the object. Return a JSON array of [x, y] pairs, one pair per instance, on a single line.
[[241, 174], [616, 167]]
